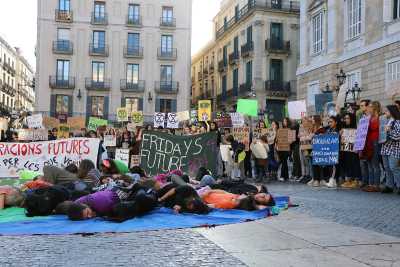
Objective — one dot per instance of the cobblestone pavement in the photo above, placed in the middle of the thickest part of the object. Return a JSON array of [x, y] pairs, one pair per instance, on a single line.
[[374, 211], [157, 248]]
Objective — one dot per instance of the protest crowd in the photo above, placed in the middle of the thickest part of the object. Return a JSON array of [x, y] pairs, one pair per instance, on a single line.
[[194, 162]]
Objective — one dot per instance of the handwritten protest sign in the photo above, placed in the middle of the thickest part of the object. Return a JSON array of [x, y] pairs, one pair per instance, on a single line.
[[35, 121], [94, 123], [297, 109], [183, 115], [137, 118], [135, 161], [3, 124], [305, 136], [15, 157], [172, 121], [226, 153], [50, 123], [282, 138], [223, 120], [159, 120], [362, 131], [348, 139], [383, 121], [204, 111], [122, 115], [76, 123], [271, 136], [122, 155], [325, 149], [32, 135], [242, 135], [237, 119], [258, 132], [162, 152], [110, 140]]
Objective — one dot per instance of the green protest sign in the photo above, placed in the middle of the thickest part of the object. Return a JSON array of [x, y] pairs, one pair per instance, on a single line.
[[161, 153], [94, 123], [247, 107]]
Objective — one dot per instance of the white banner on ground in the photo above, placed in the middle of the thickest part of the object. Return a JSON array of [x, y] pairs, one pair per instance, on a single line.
[[122, 155], [35, 121], [237, 119], [297, 109], [15, 157], [159, 120], [172, 121]]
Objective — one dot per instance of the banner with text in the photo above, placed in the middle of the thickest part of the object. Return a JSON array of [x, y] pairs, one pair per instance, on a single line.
[[162, 152], [325, 150], [15, 157]]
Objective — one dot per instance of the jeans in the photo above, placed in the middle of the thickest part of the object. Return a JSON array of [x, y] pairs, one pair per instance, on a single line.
[[388, 172], [283, 158], [375, 170], [394, 167]]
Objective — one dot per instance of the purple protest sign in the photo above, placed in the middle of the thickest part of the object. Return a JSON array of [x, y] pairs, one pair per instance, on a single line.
[[362, 131]]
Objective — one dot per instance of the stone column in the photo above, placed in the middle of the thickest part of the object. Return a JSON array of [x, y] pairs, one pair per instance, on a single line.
[[258, 61]]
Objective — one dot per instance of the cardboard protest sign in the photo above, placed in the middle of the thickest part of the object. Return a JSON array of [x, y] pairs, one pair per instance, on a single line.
[[137, 118], [34, 156], [292, 136], [362, 131], [50, 123], [63, 131], [383, 121], [325, 149], [237, 119], [94, 123], [223, 120], [271, 136], [135, 161], [297, 109], [258, 132], [131, 127], [3, 124], [172, 121], [122, 115], [242, 135], [204, 111], [159, 120], [35, 121], [305, 136], [76, 123], [183, 115], [25, 134], [248, 107], [122, 155], [282, 139], [348, 139], [162, 152], [110, 140]]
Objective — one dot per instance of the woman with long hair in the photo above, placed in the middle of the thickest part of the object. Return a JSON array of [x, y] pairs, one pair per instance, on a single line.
[[284, 155]]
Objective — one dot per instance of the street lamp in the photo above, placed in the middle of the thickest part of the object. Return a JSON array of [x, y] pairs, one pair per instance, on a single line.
[[352, 95], [341, 78]]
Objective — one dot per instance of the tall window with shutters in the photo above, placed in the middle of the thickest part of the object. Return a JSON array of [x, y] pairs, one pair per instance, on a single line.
[[396, 9], [354, 18], [317, 30]]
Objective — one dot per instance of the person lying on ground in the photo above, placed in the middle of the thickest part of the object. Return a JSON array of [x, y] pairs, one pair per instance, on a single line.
[[221, 199], [10, 196], [43, 201]]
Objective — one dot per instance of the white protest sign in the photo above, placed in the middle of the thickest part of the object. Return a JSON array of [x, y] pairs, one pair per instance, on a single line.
[[35, 121], [33, 156], [297, 109], [172, 121], [122, 155], [159, 120], [237, 119], [135, 161], [226, 153], [110, 140], [183, 115]]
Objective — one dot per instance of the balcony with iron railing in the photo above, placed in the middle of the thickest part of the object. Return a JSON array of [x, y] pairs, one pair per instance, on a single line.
[[199, 76], [9, 68], [234, 58], [133, 52], [167, 22], [166, 87], [61, 82], [133, 86], [99, 19], [222, 65], [205, 71], [8, 89], [248, 9], [64, 16], [63, 47], [211, 68], [167, 54], [277, 88], [134, 21], [97, 85], [245, 88], [98, 50], [277, 46], [247, 49]]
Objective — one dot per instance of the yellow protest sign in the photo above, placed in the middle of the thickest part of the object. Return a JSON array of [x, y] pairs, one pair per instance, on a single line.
[[137, 118], [122, 114], [63, 131], [204, 110]]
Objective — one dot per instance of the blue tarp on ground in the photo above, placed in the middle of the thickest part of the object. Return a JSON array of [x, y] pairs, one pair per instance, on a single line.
[[158, 219]]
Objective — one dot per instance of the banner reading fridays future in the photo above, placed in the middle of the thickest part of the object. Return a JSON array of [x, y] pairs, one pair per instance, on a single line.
[[161, 152]]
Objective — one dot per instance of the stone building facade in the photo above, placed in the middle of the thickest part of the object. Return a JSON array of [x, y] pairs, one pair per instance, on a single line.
[[360, 37], [96, 56], [254, 53]]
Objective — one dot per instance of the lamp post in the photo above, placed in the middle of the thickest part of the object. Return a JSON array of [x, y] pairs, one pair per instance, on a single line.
[[341, 78], [352, 95]]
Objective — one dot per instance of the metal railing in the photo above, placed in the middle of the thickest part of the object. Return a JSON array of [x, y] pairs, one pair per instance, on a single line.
[[61, 82], [64, 16], [166, 87], [132, 86], [98, 50], [134, 21], [247, 48], [103, 85], [133, 52], [277, 46], [222, 65], [277, 86], [63, 47], [97, 19], [167, 54], [167, 22], [234, 58]]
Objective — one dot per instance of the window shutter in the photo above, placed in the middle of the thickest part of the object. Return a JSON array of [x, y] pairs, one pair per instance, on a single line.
[[173, 105], [158, 108], [106, 107], [53, 105], [140, 104], [88, 107], [70, 106], [123, 102]]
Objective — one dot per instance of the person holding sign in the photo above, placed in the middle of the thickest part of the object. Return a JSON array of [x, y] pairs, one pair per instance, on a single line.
[[391, 150], [283, 153], [349, 158], [318, 171]]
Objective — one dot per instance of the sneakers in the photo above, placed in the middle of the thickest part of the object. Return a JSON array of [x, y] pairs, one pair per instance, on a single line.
[[332, 183], [281, 179], [311, 182], [355, 184], [347, 184], [316, 184], [371, 189], [323, 183], [387, 190]]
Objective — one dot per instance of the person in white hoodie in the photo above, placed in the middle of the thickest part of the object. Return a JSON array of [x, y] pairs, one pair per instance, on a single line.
[[260, 149]]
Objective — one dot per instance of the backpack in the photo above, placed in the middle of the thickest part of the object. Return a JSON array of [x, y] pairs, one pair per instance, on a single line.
[[43, 201]]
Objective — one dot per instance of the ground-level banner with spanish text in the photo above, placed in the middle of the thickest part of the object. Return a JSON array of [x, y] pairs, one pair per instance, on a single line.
[[161, 152], [15, 157]]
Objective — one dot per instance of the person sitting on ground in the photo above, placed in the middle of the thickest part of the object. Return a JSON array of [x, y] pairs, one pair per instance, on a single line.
[[10, 197]]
